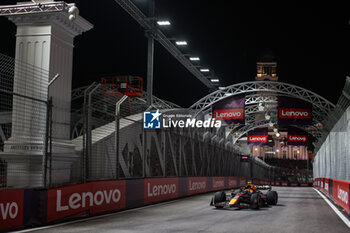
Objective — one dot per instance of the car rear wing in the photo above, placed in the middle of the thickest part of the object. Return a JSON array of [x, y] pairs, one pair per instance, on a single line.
[[264, 187]]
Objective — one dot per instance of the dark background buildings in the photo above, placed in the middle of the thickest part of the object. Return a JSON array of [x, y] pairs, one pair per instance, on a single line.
[[309, 40]]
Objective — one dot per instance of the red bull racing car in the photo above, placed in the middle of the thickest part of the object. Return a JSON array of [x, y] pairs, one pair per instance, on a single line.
[[250, 196]]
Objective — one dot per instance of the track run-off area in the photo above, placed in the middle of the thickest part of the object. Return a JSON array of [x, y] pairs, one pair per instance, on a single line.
[[299, 209]]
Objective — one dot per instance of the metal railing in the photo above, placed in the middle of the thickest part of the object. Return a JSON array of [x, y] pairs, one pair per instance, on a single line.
[[105, 144]]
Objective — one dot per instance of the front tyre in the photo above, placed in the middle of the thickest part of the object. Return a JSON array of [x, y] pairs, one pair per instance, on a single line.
[[219, 197]]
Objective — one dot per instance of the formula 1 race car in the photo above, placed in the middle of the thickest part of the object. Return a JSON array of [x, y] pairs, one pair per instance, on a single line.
[[249, 196]]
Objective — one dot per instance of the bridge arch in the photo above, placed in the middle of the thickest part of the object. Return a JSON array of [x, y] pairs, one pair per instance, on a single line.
[[266, 92]]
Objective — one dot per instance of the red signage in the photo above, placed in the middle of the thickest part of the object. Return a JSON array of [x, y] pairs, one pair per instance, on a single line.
[[341, 193], [242, 181], [11, 209], [294, 113], [196, 185], [95, 197], [160, 189], [218, 183], [108, 196], [228, 114], [232, 182], [257, 138], [326, 186], [310, 155], [297, 138]]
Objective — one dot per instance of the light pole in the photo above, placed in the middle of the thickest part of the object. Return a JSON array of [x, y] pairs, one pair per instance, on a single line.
[[150, 54]]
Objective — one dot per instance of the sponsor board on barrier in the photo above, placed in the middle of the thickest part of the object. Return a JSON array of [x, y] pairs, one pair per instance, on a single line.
[[294, 184], [232, 182], [160, 189], [284, 183], [341, 193], [11, 209], [95, 197], [242, 181], [326, 186], [196, 185], [218, 183]]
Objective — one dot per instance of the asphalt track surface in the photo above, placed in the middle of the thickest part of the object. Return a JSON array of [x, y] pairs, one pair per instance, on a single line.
[[298, 210]]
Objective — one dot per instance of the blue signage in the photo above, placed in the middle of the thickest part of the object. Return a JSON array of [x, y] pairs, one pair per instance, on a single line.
[[152, 120]]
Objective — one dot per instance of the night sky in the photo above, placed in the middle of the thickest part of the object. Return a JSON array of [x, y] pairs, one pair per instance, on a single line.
[[310, 41]]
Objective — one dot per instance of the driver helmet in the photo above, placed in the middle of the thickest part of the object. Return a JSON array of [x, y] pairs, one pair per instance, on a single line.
[[250, 186]]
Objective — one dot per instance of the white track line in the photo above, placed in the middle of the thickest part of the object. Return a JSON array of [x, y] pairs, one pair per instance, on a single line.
[[341, 216]]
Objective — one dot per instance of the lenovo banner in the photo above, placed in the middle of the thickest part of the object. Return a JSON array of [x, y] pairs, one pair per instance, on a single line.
[[245, 158], [293, 111], [197, 185], [297, 137], [232, 182], [82, 199], [108, 196], [11, 209], [218, 183], [326, 186], [160, 189], [242, 181], [257, 137], [341, 193], [230, 111]]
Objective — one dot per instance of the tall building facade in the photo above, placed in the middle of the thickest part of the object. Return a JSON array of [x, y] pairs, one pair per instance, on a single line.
[[277, 146]]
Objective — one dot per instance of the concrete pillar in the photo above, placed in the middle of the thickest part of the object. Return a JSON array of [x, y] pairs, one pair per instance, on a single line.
[[44, 47]]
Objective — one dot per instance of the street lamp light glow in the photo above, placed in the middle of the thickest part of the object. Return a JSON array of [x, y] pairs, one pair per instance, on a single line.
[[204, 70], [181, 42], [194, 58], [214, 80], [163, 23]]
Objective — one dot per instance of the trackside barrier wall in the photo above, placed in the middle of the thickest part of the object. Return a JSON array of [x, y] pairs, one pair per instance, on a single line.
[[33, 207], [337, 190], [11, 209]]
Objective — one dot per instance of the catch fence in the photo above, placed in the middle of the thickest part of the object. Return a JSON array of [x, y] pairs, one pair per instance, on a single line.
[[46, 142]]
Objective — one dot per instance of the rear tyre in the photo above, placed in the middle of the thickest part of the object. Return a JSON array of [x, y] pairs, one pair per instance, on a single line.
[[276, 195], [255, 201], [219, 197], [272, 197]]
